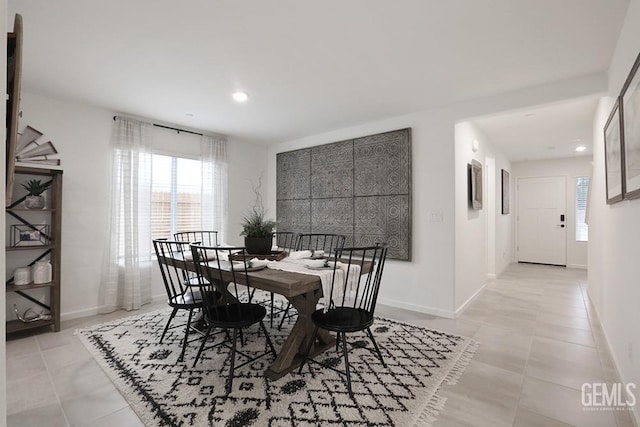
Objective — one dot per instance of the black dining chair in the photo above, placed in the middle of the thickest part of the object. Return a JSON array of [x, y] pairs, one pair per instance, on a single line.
[[234, 309], [350, 305], [181, 294], [327, 242]]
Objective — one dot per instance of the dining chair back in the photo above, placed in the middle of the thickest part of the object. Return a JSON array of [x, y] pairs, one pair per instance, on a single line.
[[327, 242], [181, 295], [284, 240], [220, 274], [351, 301], [207, 238]]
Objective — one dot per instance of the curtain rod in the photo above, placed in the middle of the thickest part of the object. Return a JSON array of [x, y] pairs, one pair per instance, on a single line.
[[172, 128]]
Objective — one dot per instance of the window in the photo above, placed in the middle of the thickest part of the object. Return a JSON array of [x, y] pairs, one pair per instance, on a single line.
[[175, 195], [582, 191]]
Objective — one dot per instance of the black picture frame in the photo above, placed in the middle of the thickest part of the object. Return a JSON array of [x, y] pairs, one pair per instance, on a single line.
[[614, 155], [29, 235], [506, 192], [630, 121], [474, 170]]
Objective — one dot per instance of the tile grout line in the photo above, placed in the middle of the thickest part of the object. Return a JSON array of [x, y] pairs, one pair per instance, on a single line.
[[53, 386]]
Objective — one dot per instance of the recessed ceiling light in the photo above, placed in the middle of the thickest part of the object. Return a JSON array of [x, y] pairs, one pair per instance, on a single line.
[[188, 114], [240, 96], [580, 148]]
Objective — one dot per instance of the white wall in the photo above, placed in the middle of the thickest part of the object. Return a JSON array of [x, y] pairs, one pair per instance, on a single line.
[[475, 259], [614, 239], [81, 134], [570, 168]]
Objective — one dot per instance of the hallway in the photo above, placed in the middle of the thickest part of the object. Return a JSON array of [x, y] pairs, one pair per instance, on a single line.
[[539, 337]]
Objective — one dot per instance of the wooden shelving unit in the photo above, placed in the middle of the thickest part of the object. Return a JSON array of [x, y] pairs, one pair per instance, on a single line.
[[51, 215]]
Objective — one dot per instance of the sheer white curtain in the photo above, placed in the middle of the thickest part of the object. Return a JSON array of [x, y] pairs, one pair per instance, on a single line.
[[213, 156], [126, 271]]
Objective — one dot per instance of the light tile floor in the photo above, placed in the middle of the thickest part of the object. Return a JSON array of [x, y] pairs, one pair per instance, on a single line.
[[539, 341]]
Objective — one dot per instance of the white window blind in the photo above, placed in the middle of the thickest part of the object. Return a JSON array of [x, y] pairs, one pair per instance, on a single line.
[[176, 196], [582, 190]]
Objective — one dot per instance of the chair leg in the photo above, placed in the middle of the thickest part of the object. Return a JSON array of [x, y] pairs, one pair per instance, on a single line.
[[271, 320], [306, 353], [375, 345], [233, 360], [284, 315], [204, 341], [346, 363], [337, 342], [186, 337], [266, 335], [166, 328]]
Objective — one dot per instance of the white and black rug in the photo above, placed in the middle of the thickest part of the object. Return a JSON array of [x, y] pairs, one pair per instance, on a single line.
[[165, 392]]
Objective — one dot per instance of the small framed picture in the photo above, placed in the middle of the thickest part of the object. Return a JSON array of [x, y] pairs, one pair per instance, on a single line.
[[30, 235], [505, 192]]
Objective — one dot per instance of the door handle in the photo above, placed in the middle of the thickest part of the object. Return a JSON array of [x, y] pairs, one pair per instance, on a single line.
[[560, 225]]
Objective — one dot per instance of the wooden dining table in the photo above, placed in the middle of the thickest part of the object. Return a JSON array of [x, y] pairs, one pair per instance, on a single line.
[[303, 291]]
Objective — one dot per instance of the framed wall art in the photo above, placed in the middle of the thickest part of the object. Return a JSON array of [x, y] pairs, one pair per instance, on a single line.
[[630, 111], [613, 155], [505, 192], [475, 184], [360, 188]]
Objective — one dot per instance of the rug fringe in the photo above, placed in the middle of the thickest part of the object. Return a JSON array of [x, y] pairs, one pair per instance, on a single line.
[[461, 364], [430, 411], [436, 403]]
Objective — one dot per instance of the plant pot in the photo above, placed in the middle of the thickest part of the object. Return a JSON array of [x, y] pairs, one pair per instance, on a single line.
[[34, 202], [258, 245]]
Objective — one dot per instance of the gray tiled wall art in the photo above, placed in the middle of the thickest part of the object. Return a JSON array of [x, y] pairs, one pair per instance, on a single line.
[[360, 188]]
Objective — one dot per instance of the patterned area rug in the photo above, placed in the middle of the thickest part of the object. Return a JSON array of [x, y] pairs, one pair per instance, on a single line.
[[164, 392]]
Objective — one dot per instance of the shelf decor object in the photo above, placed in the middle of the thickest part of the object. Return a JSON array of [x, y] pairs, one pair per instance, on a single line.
[[29, 235], [37, 153]]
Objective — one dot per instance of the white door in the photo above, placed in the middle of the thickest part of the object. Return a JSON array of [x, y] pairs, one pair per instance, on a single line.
[[542, 231]]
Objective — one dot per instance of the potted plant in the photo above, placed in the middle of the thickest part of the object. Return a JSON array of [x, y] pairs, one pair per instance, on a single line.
[[35, 188], [256, 229]]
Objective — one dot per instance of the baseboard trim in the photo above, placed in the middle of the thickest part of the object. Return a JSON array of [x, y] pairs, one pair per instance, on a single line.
[[464, 305], [71, 315], [419, 308]]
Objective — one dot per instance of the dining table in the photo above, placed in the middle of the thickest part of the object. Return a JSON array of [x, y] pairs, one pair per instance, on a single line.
[[303, 291]]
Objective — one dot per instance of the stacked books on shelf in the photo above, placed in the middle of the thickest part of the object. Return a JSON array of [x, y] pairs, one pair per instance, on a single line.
[[37, 153]]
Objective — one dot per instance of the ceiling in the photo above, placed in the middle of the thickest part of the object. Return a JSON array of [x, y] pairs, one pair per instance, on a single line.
[[545, 132], [309, 67]]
